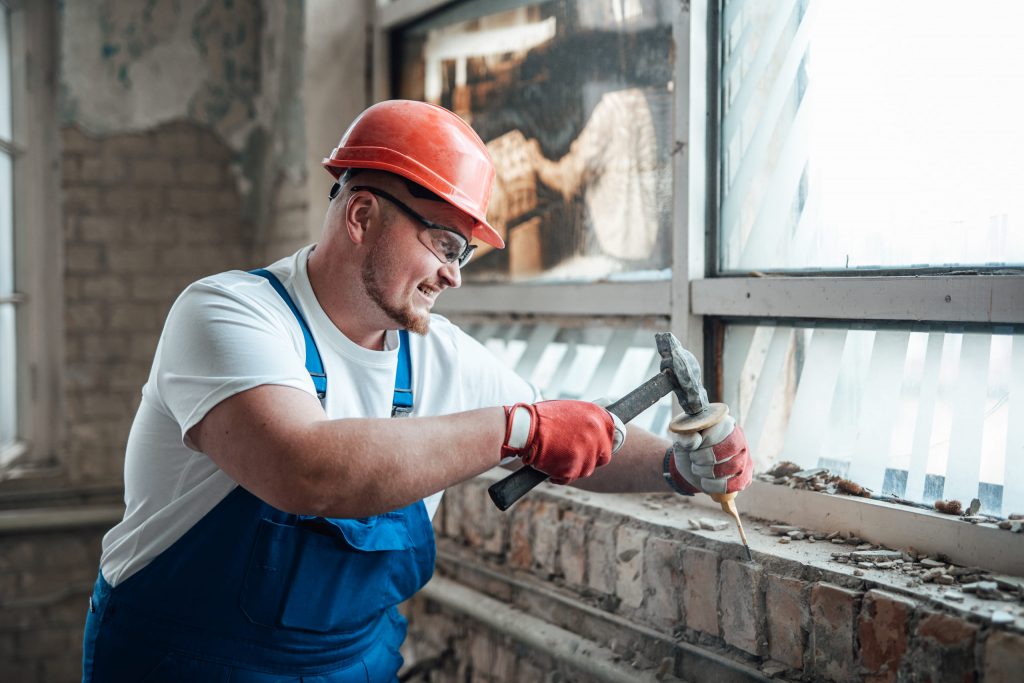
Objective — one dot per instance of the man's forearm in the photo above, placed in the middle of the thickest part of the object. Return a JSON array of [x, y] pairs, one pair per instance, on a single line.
[[636, 468]]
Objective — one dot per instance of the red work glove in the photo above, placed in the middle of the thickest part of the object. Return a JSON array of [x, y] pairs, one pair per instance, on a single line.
[[715, 460], [564, 439]]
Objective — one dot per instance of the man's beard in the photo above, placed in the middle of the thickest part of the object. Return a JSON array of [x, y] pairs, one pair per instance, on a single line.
[[378, 262]]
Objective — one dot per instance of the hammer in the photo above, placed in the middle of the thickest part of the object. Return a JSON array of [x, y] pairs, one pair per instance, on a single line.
[[679, 372]]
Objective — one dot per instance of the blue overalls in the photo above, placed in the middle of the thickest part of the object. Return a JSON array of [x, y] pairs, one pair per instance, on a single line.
[[252, 593]]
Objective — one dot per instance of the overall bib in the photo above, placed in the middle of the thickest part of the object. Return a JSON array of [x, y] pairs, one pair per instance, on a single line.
[[255, 594]]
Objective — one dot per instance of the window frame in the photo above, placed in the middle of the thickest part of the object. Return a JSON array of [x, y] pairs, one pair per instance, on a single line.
[[697, 298], [38, 241]]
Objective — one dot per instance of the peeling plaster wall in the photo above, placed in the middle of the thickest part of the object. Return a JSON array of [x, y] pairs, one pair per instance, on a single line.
[[233, 67], [335, 87]]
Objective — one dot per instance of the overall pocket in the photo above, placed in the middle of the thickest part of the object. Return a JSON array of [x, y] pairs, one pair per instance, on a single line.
[[328, 575]]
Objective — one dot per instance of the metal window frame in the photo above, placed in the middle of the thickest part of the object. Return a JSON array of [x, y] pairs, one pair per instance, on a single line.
[[698, 298], [39, 292]]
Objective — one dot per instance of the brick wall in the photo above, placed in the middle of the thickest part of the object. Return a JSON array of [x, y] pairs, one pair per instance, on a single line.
[[144, 215], [45, 580], [665, 600]]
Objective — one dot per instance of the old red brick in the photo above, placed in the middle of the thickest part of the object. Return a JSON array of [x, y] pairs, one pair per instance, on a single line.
[[520, 554], [883, 633], [601, 557], [700, 590], [545, 537], [663, 582], [833, 612], [572, 551], [945, 648], [742, 602], [787, 616], [1004, 658], [629, 553]]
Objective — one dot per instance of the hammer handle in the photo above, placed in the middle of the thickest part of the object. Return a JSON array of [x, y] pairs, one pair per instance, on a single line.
[[516, 485]]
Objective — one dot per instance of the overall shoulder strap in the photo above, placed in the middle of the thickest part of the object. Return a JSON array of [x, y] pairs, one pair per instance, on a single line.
[[401, 404], [314, 365]]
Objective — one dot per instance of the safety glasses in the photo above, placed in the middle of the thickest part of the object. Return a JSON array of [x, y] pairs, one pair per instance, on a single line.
[[447, 244]]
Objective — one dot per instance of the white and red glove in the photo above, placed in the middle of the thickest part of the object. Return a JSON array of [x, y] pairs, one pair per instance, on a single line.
[[564, 439], [715, 460]]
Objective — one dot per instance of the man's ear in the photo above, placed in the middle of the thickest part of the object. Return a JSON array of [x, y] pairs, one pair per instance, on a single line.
[[358, 213]]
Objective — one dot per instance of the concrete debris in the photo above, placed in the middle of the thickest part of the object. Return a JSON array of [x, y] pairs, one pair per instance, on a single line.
[[694, 524], [1000, 617], [973, 508], [932, 574], [857, 572], [955, 596], [949, 507], [784, 539], [1016, 516], [875, 555], [709, 524], [1009, 583], [664, 668], [772, 668], [782, 529], [979, 586], [930, 563]]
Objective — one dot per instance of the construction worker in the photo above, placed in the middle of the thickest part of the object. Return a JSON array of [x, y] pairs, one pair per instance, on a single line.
[[277, 509]]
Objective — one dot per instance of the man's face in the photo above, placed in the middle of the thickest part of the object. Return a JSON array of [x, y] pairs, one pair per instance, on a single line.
[[401, 274]]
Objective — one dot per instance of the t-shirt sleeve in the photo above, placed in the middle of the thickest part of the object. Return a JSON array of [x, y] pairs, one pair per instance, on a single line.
[[221, 339]]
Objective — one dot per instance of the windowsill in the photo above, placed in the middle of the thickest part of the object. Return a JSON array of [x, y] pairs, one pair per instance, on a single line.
[[883, 524]]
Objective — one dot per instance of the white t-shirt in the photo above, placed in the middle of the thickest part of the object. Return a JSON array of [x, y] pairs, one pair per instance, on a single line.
[[231, 332]]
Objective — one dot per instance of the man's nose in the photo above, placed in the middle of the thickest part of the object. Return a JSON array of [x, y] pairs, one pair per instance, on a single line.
[[451, 275]]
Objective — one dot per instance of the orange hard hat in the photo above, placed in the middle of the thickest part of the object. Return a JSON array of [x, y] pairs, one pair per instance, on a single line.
[[430, 146]]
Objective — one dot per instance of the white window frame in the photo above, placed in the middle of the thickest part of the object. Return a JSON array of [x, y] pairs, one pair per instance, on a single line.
[[694, 293], [38, 249]]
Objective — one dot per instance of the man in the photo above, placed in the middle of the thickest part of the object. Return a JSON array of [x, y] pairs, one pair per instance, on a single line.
[[277, 510]]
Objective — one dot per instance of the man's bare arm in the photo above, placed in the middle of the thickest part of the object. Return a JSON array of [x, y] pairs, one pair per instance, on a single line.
[[636, 468], [276, 442]]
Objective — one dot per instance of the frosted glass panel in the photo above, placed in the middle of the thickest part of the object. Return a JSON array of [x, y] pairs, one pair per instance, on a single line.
[[918, 414]]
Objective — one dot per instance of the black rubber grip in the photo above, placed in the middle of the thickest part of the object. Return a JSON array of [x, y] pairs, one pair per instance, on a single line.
[[515, 486]]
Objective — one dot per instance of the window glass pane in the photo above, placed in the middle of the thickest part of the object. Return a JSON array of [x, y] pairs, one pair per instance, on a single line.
[[871, 134], [920, 414], [5, 74], [6, 226], [574, 101], [8, 387]]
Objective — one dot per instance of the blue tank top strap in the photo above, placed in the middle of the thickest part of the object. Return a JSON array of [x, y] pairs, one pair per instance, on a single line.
[[401, 403]]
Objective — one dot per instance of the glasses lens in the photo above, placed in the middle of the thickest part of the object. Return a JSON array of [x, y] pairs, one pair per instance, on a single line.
[[466, 255], [447, 245]]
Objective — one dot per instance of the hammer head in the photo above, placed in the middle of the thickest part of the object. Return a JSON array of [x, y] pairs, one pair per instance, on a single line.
[[684, 370]]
